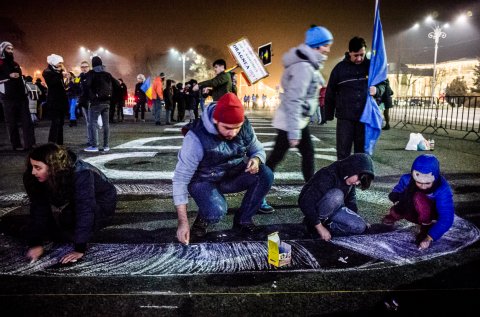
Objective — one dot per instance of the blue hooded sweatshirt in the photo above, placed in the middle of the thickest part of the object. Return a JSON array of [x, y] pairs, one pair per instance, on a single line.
[[440, 193]]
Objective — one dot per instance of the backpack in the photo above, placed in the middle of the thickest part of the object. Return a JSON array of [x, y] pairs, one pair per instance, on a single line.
[[102, 86], [33, 91]]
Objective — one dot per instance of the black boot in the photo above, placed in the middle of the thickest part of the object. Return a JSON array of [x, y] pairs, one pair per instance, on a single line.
[[199, 229]]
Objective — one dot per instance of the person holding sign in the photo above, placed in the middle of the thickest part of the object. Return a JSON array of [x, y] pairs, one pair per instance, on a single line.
[[220, 154], [220, 84], [300, 81]]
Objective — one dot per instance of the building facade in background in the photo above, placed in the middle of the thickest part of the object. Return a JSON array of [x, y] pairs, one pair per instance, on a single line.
[[415, 80]]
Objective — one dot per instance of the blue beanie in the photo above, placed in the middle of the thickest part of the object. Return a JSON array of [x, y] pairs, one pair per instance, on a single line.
[[426, 168], [318, 36]]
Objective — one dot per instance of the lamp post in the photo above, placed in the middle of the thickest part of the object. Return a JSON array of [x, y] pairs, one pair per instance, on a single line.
[[436, 35], [183, 57]]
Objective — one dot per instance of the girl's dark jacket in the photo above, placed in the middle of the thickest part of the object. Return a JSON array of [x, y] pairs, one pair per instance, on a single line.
[[92, 203], [334, 176]]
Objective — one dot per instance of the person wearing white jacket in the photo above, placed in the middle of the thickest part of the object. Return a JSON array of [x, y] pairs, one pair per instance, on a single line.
[[300, 82]]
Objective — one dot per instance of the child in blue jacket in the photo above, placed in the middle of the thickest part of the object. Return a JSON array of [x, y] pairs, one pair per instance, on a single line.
[[423, 197]]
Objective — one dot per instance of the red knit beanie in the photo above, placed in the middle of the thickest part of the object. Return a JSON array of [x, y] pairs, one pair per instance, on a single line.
[[229, 109]]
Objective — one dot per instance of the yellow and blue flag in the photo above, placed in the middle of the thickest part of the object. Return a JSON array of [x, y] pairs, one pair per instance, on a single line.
[[147, 87], [377, 73]]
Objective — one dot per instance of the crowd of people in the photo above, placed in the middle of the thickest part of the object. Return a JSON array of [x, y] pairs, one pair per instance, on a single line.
[[221, 153]]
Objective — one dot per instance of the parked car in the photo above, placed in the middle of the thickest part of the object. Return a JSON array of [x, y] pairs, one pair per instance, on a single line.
[[416, 102]]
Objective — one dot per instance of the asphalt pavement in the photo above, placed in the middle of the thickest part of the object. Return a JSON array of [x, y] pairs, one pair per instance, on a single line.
[[135, 267]]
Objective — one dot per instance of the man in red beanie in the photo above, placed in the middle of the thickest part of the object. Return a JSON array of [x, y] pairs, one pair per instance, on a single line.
[[220, 154]]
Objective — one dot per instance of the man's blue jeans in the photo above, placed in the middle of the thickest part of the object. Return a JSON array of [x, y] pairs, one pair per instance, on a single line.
[[94, 111], [211, 202], [72, 101], [332, 213], [157, 109]]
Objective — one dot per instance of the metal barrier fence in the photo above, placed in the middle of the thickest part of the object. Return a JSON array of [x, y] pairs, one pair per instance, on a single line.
[[460, 113]]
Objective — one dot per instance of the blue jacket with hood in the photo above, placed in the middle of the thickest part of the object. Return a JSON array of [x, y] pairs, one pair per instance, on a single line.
[[440, 193]]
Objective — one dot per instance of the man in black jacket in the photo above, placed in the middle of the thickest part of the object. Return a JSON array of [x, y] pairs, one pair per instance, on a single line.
[[13, 96], [121, 100], [346, 97], [83, 102], [100, 86]]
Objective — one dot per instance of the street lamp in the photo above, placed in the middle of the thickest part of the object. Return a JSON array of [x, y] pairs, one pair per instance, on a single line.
[[92, 53], [436, 35], [183, 57]]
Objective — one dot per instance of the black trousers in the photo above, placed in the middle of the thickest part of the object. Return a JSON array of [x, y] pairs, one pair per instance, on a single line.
[[172, 112], [120, 106], [139, 107], [305, 147], [55, 134], [16, 111], [348, 133]]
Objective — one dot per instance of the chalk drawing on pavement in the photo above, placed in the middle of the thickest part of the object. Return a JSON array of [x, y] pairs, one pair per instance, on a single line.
[[154, 259], [399, 246], [392, 248]]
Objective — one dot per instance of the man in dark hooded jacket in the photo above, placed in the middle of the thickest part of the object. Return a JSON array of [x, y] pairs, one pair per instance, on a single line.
[[328, 200], [13, 96]]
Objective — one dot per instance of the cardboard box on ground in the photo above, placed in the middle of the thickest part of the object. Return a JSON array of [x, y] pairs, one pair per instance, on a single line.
[[279, 253]]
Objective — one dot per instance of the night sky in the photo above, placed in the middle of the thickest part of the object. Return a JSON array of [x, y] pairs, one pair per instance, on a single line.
[[132, 30]]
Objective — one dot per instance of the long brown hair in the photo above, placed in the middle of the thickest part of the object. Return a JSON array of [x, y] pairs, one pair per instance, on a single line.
[[60, 168]]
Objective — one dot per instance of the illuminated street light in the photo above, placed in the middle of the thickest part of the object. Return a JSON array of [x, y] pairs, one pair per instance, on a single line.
[[462, 18], [436, 34], [91, 53], [183, 57]]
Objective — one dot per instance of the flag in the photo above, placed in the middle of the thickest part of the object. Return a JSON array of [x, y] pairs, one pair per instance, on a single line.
[[147, 88], [371, 116]]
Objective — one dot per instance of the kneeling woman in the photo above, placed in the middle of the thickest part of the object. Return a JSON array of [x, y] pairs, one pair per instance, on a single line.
[[328, 200], [84, 196]]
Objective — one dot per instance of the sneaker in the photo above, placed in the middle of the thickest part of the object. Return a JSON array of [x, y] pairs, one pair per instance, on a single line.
[[91, 149], [199, 228], [386, 127], [265, 208], [106, 149]]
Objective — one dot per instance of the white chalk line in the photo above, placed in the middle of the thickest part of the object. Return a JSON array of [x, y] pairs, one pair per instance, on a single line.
[[399, 246]]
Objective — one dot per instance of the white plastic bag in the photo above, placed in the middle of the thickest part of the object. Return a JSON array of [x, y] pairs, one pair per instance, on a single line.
[[415, 140], [100, 121]]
